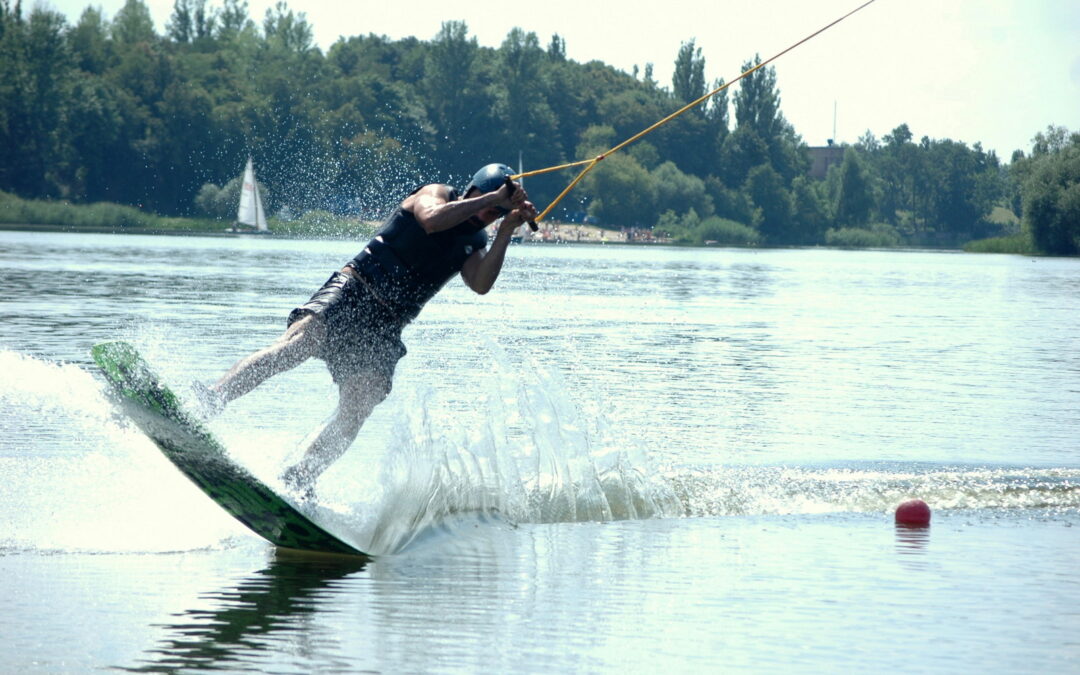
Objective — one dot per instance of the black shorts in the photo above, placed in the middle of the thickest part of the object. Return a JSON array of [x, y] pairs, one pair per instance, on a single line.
[[363, 337]]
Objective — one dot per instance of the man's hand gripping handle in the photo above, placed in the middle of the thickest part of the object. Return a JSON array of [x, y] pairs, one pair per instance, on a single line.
[[510, 183]]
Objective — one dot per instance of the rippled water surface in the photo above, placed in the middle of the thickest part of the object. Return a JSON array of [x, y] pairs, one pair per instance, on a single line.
[[620, 459]]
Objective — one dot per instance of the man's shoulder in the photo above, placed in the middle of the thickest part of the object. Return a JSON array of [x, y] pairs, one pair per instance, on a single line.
[[440, 190]]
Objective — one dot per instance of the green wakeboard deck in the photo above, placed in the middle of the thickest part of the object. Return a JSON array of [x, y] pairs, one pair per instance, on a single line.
[[186, 442]]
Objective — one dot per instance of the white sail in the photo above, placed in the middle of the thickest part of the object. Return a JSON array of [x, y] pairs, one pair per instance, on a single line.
[[251, 208]]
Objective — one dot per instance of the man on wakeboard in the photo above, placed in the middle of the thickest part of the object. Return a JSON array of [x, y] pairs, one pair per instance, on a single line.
[[354, 321]]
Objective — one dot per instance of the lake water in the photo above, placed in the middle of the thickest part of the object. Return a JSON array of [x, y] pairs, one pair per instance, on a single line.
[[622, 459]]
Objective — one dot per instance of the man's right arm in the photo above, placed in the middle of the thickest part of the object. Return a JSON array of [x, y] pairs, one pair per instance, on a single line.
[[435, 212]]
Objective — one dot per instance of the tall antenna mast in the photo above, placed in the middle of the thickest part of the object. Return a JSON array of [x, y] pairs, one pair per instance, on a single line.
[[834, 120]]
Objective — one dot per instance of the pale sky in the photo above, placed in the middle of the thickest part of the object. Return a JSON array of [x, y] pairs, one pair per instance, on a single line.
[[995, 71]]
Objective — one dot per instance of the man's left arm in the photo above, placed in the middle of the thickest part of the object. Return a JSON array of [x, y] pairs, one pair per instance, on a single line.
[[482, 268]]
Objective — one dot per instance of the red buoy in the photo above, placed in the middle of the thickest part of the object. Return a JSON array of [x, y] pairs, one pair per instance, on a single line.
[[913, 512]]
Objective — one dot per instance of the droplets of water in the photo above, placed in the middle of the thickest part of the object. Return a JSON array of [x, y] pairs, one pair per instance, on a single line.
[[31, 389], [536, 459], [868, 488], [79, 477]]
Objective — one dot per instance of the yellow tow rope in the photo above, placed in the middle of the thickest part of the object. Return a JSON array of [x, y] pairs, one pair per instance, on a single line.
[[590, 164]]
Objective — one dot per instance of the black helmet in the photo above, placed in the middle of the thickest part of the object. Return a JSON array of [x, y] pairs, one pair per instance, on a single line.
[[489, 178]]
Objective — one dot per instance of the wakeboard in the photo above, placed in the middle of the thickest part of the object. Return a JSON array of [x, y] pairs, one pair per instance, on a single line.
[[193, 449]]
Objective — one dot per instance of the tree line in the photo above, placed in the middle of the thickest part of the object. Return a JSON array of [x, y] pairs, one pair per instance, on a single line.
[[107, 110]]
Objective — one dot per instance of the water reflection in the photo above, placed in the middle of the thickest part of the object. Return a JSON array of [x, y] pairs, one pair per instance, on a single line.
[[911, 543], [269, 605], [752, 281]]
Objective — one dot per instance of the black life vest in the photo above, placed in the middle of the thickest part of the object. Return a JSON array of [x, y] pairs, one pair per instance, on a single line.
[[406, 266]]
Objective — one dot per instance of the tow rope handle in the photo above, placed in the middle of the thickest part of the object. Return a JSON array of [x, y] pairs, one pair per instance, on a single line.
[[513, 187]]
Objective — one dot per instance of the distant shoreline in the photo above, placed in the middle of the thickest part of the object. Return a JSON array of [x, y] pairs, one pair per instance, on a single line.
[[593, 235], [107, 218], [168, 232], [94, 229], [75, 229], [1010, 248]]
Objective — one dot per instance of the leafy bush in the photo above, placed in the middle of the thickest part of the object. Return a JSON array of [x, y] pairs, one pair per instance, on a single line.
[[218, 202], [19, 211], [1016, 243], [222, 202], [880, 235], [724, 232], [104, 215], [675, 189], [713, 231]]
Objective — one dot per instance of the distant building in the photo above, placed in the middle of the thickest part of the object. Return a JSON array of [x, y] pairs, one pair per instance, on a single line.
[[821, 158]]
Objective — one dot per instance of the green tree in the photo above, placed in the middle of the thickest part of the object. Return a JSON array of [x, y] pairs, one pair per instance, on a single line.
[[132, 24], [184, 139], [451, 86], [233, 20], [91, 47], [1044, 143], [757, 101], [191, 21], [728, 203], [569, 98], [757, 108], [762, 135], [287, 30], [204, 21], [990, 188], [14, 86], [96, 145], [810, 214], [1050, 142], [595, 140], [742, 150], [897, 167], [181, 25], [855, 202], [630, 110], [37, 70], [679, 191], [624, 193], [954, 209], [718, 115], [1015, 174], [530, 123], [557, 49], [690, 139], [766, 190], [1051, 195], [688, 80]]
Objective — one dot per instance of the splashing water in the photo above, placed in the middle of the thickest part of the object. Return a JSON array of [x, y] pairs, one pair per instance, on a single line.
[[80, 478], [734, 491], [536, 460]]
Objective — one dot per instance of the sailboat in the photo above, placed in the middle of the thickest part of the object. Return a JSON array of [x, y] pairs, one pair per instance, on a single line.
[[250, 216]]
